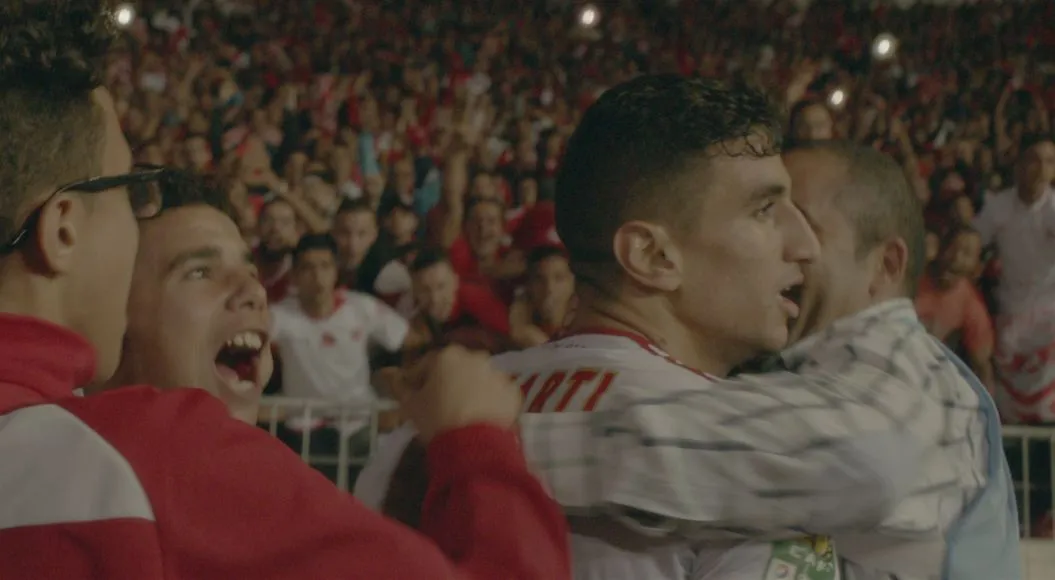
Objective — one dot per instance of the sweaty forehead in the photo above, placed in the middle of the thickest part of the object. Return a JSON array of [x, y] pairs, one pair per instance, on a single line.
[[738, 180], [187, 229]]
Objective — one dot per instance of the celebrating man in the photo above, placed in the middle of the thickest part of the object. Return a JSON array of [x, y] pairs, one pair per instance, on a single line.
[[674, 207], [197, 313], [135, 483], [878, 437]]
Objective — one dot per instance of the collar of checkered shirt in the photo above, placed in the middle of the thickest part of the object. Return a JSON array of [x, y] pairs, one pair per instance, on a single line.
[[842, 330]]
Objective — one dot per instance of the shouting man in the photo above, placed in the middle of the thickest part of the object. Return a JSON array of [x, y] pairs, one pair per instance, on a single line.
[[147, 484], [197, 313]]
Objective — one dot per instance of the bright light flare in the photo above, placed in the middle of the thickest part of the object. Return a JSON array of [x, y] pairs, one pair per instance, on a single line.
[[589, 16], [124, 15], [837, 98], [884, 47]]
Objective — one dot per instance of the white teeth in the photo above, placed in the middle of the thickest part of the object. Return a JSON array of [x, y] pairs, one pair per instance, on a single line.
[[246, 340], [243, 386]]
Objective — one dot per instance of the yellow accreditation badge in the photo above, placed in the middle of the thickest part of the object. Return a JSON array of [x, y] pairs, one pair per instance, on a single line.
[[803, 559]]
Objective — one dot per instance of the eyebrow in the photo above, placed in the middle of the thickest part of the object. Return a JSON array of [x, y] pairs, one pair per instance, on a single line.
[[205, 253], [766, 193]]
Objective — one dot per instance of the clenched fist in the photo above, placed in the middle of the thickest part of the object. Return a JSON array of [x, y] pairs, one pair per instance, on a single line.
[[455, 388]]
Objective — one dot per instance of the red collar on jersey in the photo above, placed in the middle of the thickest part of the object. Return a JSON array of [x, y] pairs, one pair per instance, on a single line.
[[641, 340], [41, 358]]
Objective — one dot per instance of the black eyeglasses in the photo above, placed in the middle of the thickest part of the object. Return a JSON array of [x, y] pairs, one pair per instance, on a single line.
[[145, 185]]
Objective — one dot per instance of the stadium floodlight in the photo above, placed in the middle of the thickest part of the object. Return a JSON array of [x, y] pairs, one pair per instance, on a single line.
[[589, 16], [124, 15], [884, 46], [837, 98]]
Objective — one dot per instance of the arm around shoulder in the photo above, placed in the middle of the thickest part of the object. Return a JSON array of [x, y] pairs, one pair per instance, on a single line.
[[753, 456]]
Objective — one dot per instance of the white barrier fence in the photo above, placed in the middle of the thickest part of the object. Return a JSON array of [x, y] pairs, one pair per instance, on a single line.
[[1030, 453], [347, 421], [1029, 450]]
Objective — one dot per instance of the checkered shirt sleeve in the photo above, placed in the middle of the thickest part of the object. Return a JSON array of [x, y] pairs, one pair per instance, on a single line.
[[858, 428]]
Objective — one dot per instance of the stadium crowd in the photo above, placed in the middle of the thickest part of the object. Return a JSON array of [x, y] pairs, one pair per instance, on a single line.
[[407, 151]]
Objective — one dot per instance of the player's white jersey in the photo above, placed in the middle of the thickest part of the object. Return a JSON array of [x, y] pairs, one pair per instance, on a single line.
[[579, 373], [575, 374]]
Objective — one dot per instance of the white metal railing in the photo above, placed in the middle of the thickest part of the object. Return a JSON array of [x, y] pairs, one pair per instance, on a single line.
[[1027, 441], [274, 410], [277, 409]]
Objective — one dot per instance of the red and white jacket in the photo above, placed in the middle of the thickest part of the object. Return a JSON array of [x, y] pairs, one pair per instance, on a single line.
[[140, 484]]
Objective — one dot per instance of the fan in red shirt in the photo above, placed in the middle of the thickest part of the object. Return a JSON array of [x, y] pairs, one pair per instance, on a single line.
[[482, 256], [137, 483], [952, 308], [455, 311]]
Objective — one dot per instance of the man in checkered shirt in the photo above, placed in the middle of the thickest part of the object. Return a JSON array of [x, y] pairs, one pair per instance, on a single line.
[[875, 434], [850, 450]]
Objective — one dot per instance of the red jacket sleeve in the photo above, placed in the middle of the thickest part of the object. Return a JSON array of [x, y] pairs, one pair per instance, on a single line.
[[114, 549], [231, 501]]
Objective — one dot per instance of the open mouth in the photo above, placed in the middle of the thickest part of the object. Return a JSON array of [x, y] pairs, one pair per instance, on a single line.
[[792, 296], [238, 361]]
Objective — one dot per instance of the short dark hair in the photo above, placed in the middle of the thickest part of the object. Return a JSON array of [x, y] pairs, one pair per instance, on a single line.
[[181, 188], [879, 202], [52, 56], [309, 242], [619, 160], [427, 258]]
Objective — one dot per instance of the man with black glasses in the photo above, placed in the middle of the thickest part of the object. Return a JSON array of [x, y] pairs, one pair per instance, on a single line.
[[139, 484]]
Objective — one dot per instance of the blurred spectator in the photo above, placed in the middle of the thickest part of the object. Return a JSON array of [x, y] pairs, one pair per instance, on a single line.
[[810, 121], [324, 336], [454, 311], [354, 231], [546, 304], [278, 237], [1020, 222], [400, 223], [483, 256], [951, 307]]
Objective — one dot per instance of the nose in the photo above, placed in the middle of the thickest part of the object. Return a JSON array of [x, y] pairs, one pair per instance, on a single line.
[[249, 293], [801, 244]]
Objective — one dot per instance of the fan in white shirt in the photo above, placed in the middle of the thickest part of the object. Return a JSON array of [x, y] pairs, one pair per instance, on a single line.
[[325, 335], [1020, 222]]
